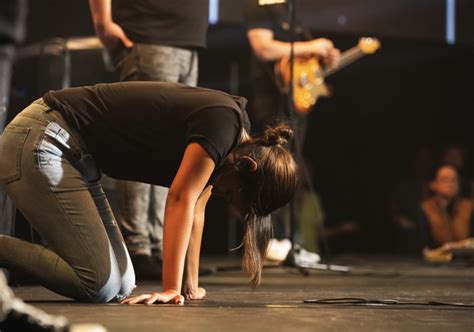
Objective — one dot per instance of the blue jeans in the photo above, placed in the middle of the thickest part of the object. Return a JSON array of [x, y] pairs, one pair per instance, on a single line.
[[55, 184]]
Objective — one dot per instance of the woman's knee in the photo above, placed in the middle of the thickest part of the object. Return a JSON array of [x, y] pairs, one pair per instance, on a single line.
[[100, 293], [115, 288]]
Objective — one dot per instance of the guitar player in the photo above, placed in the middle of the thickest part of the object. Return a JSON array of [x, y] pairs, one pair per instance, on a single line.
[[268, 33]]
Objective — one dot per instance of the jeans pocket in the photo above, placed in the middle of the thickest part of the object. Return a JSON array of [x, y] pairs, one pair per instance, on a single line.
[[11, 147], [115, 52], [119, 54]]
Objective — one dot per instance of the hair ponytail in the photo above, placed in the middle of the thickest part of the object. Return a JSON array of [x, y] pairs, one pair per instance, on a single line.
[[270, 187], [278, 135], [258, 232]]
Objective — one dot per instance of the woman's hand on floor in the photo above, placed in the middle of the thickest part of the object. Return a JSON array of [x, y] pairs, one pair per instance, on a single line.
[[194, 293], [170, 296]]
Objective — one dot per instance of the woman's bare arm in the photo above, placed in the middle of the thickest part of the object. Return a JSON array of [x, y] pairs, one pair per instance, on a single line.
[[193, 174], [191, 289]]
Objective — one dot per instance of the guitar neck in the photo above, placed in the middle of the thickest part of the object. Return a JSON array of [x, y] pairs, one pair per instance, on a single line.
[[347, 58]]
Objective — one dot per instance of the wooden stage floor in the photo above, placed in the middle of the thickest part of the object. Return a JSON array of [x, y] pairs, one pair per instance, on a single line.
[[277, 305]]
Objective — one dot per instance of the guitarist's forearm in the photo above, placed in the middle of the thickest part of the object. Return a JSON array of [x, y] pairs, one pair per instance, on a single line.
[[275, 50], [266, 48]]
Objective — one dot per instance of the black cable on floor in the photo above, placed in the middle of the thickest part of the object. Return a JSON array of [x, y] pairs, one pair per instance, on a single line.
[[362, 301]]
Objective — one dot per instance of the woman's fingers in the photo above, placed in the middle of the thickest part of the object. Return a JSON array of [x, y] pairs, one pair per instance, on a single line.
[[165, 298], [178, 299], [136, 299], [155, 297]]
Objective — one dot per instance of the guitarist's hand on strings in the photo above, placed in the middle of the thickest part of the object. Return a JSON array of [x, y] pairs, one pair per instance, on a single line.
[[324, 48]]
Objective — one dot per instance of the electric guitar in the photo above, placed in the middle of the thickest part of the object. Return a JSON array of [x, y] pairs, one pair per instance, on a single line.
[[309, 74]]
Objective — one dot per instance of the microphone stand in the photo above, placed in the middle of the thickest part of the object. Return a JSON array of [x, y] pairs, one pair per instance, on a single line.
[[295, 145], [290, 260]]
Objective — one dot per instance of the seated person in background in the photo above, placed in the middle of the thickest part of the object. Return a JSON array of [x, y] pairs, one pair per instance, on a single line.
[[446, 217], [456, 154]]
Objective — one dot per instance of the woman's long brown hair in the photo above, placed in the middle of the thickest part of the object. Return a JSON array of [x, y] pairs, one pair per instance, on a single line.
[[267, 189]]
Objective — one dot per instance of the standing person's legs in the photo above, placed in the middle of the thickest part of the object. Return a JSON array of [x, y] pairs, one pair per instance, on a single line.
[[6, 56], [186, 64], [7, 208], [141, 205], [54, 184], [133, 199]]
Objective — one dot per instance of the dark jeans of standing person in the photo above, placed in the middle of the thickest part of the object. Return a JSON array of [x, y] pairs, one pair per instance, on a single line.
[[55, 184], [141, 205]]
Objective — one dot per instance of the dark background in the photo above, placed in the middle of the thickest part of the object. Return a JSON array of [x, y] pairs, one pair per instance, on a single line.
[[417, 91]]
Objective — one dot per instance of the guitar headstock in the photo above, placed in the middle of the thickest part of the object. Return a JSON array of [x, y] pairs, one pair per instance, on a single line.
[[369, 45]]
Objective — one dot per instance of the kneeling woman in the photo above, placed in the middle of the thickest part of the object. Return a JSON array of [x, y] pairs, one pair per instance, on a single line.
[[192, 140]]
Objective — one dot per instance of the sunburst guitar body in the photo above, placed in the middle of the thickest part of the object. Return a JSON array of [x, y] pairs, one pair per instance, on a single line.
[[309, 75]]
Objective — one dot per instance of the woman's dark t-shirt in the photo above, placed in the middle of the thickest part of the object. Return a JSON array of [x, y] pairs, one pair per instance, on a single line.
[[138, 131]]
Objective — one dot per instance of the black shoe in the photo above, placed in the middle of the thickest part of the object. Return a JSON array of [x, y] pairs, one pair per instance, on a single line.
[[146, 268]]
